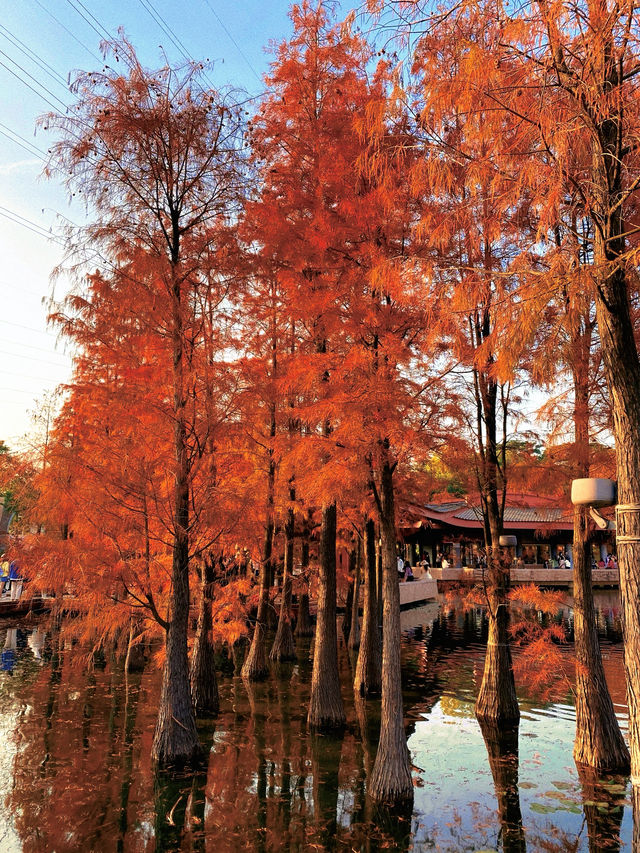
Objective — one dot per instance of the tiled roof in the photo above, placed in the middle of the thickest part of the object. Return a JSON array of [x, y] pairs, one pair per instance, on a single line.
[[527, 515], [448, 507]]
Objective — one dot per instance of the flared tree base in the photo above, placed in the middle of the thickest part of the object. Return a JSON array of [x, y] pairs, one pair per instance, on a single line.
[[255, 667], [283, 648]]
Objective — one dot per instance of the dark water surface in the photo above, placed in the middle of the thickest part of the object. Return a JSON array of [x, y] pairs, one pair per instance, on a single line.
[[75, 744]]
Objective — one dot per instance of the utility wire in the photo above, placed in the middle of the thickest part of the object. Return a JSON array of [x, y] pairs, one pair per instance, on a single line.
[[35, 91], [28, 328], [29, 223], [11, 285], [148, 6], [32, 357], [26, 376], [30, 54], [41, 233], [100, 35], [67, 30], [25, 142], [238, 48], [35, 79], [23, 145], [20, 391], [166, 29]]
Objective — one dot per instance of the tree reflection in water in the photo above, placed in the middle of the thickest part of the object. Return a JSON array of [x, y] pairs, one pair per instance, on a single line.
[[83, 780], [603, 804], [502, 749]]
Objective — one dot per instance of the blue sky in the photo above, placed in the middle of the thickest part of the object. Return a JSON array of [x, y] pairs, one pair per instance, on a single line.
[[41, 43]]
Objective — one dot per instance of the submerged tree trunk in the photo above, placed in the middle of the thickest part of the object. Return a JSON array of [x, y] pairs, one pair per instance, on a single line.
[[368, 677], [325, 706], [176, 737], [354, 633], [283, 648], [255, 666], [497, 701], [304, 623], [391, 776], [348, 612], [135, 658], [204, 684], [610, 181], [599, 742], [623, 378]]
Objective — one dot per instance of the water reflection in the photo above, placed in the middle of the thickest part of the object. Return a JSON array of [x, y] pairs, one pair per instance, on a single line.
[[603, 802], [502, 749], [78, 775]]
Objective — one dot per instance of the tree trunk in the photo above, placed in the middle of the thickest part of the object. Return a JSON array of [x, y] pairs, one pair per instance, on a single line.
[[368, 677], [135, 658], [255, 666], [391, 776], [599, 742], [354, 633], [623, 378], [380, 588], [348, 612], [204, 684], [325, 706], [304, 623], [497, 701], [620, 358], [283, 648], [176, 738], [502, 749]]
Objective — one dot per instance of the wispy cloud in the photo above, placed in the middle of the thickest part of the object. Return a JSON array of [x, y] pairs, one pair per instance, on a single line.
[[19, 166]]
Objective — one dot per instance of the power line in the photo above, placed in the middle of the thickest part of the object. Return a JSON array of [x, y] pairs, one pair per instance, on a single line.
[[148, 7], [24, 147], [29, 228], [23, 143], [84, 17], [166, 29], [30, 224], [32, 357], [31, 77], [238, 48], [30, 54], [19, 391], [12, 285], [73, 36], [26, 376], [35, 91], [28, 328]]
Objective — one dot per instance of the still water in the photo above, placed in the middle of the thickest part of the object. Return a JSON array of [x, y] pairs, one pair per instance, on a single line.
[[75, 772]]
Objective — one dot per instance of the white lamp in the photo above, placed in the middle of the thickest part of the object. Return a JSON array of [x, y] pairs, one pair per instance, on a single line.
[[593, 491]]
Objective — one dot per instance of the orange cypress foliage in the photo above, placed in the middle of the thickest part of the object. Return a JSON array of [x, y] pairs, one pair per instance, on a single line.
[[157, 157]]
